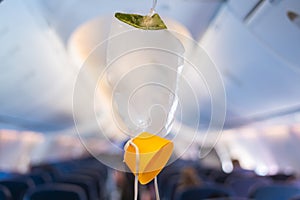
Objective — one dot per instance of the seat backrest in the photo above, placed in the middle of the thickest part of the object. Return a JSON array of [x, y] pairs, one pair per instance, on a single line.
[[296, 197], [96, 178], [242, 186], [40, 178], [83, 181], [202, 193], [17, 187], [98, 168], [5, 193], [275, 192], [56, 191]]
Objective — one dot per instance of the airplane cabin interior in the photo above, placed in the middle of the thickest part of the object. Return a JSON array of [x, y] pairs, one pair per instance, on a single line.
[[149, 99]]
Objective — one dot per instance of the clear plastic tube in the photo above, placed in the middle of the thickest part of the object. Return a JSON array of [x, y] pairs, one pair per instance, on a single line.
[[152, 10]]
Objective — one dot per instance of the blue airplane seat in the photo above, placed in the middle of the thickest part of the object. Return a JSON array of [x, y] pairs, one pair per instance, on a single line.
[[83, 181], [17, 186], [275, 192], [5, 193], [207, 192], [57, 191]]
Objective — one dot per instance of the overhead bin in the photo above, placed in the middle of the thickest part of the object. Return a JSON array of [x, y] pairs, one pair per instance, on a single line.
[[257, 59], [276, 26]]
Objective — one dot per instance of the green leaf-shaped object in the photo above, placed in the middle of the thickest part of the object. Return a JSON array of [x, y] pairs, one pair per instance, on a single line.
[[153, 22]]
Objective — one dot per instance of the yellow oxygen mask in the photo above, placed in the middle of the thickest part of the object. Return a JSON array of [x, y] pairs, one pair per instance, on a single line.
[[146, 155]]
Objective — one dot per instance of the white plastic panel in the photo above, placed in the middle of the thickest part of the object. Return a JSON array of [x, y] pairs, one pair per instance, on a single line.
[[242, 8], [257, 82], [279, 32], [36, 79]]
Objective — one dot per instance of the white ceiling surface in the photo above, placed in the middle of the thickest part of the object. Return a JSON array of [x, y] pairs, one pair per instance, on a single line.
[[36, 80], [67, 15], [40, 98], [257, 59], [258, 65]]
